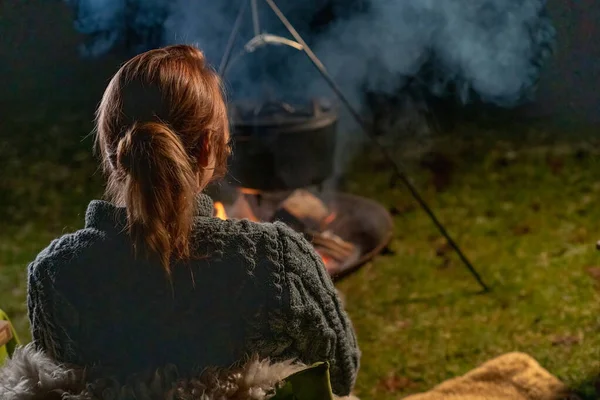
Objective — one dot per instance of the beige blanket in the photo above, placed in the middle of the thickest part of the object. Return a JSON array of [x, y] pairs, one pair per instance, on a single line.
[[513, 376]]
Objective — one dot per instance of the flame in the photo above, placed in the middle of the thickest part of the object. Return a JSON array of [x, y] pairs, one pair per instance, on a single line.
[[239, 210], [249, 191], [220, 210]]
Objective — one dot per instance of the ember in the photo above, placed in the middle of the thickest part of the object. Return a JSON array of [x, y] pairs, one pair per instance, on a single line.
[[305, 213]]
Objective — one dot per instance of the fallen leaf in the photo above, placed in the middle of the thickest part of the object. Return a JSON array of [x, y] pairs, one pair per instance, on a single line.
[[521, 229], [567, 340], [594, 272], [402, 324], [394, 383]]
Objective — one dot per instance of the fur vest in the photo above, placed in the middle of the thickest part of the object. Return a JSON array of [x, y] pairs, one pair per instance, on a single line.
[[32, 375]]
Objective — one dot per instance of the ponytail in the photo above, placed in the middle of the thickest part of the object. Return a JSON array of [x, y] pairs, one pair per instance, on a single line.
[[159, 186], [162, 131]]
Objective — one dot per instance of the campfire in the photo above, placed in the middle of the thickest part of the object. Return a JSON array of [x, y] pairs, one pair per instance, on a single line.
[[283, 154], [304, 212]]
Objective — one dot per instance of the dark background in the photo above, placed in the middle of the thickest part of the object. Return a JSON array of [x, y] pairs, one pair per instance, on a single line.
[[41, 68]]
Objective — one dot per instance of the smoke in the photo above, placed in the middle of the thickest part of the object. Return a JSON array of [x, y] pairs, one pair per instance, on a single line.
[[476, 50], [492, 50]]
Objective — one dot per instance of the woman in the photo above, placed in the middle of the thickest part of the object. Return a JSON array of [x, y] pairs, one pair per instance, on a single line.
[[154, 278]]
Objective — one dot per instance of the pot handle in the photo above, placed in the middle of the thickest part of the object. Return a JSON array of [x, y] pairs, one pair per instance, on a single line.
[[259, 41], [274, 106], [285, 107]]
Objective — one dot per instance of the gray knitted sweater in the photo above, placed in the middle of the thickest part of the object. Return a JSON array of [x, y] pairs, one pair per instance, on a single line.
[[256, 289]]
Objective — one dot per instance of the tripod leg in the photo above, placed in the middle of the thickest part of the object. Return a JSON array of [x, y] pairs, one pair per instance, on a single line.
[[394, 164], [255, 18], [232, 37]]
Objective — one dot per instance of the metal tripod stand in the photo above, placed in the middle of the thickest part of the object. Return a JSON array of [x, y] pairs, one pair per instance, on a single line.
[[298, 43]]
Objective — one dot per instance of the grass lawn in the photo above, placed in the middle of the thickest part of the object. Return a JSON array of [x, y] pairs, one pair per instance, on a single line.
[[520, 201]]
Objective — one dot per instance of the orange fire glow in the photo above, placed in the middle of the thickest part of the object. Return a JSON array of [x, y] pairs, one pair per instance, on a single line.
[[326, 260], [330, 218], [239, 210], [220, 210], [249, 191]]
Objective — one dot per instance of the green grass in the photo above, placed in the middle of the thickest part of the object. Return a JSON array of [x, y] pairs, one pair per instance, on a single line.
[[521, 203]]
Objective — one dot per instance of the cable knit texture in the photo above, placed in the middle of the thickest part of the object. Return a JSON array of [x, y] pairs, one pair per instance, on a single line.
[[251, 290]]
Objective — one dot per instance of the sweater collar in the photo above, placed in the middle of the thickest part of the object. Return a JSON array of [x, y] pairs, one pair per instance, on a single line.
[[102, 214]]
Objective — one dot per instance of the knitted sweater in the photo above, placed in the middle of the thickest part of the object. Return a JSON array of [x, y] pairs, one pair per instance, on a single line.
[[254, 289]]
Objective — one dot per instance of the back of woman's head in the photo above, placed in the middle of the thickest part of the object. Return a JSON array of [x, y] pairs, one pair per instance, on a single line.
[[163, 133]]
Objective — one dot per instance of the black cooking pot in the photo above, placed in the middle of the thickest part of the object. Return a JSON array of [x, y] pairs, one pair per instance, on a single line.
[[277, 146]]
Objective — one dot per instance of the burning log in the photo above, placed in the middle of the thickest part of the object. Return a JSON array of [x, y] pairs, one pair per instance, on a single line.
[[331, 246], [303, 212], [241, 209]]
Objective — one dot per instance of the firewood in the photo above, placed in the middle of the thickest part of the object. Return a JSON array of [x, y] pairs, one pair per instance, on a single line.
[[332, 254], [332, 245], [333, 242], [302, 211], [329, 236]]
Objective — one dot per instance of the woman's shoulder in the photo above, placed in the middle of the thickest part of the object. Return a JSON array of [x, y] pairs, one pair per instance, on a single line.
[[57, 258], [259, 242], [276, 233], [280, 243]]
